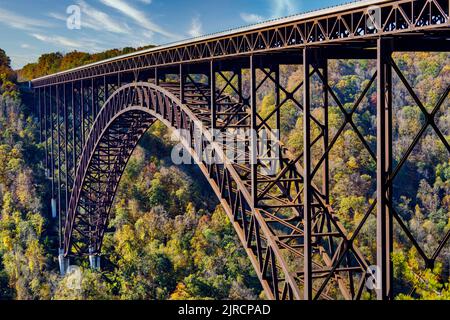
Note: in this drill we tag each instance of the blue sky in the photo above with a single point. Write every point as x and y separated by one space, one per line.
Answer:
29 28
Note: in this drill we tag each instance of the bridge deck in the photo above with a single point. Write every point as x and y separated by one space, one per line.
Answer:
356 24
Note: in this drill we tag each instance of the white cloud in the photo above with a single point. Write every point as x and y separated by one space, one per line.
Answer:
58 40
282 8
25 46
92 18
69 44
251 18
84 22
146 1
16 21
100 20
110 33
139 17
278 9
196 29
57 16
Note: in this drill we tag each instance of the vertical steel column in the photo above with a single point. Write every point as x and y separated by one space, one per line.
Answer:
36 105
58 102
46 133
74 132
66 159
52 148
278 113
39 105
105 90
241 98
326 162
384 168
253 133
182 83
93 101
307 211
82 97
212 81
156 77
323 64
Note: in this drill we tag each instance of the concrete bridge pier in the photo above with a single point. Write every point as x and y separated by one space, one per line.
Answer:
54 213
63 262
94 260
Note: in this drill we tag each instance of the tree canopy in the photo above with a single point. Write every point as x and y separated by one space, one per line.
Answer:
169 238
50 63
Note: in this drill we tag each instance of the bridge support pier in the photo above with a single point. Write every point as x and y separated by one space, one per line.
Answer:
94 260
54 211
63 262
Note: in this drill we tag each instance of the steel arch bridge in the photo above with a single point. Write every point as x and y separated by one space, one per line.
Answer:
92 118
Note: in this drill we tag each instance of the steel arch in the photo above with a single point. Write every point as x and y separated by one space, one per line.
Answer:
158 103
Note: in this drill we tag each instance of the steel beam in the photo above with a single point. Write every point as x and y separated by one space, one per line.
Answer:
58 187
384 168
93 100
326 163
212 82
307 201
47 168
52 143
40 112
182 76
66 153
74 129
82 110
254 132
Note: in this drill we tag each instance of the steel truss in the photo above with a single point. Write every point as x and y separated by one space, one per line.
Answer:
331 27
91 120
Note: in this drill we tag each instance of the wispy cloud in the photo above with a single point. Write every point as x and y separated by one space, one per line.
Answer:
111 30
17 21
95 19
146 1
84 22
101 20
281 8
278 8
251 18
138 17
66 43
196 29
58 40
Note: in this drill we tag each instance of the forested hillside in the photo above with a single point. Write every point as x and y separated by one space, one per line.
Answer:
169 239
56 62
24 242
